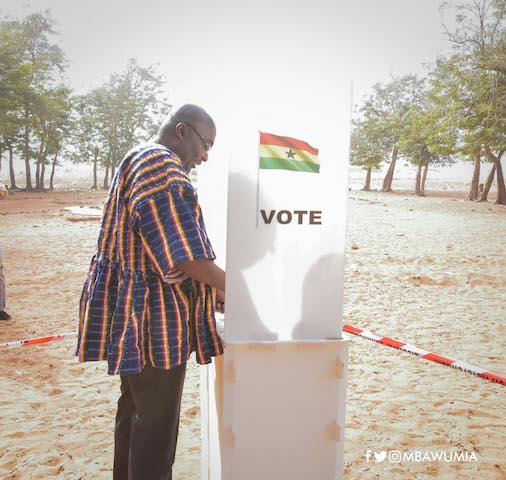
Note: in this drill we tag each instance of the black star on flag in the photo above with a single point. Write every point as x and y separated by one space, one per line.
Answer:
287 153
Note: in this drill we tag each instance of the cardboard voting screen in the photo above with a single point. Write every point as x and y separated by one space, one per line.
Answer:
285 246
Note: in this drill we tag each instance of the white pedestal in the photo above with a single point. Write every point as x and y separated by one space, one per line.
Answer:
275 411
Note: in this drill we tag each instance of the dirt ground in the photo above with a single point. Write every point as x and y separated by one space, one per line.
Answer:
426 271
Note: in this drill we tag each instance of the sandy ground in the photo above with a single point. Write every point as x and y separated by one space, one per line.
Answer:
428 271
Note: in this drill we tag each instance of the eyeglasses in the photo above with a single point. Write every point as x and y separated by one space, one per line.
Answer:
207 146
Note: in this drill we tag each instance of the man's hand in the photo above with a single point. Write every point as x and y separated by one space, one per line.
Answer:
220 301
205 271
208 272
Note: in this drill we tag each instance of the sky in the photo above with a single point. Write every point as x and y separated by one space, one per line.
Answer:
277 66
246 59
205 47
272 65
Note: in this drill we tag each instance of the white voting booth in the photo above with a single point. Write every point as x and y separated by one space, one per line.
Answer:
273 406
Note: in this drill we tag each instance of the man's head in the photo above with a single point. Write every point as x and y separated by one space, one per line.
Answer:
190 133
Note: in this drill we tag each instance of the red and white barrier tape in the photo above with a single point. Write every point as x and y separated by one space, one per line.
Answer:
37 341
434 357
390 342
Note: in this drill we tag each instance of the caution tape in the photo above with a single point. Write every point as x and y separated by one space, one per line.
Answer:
433 357
37 341
390 342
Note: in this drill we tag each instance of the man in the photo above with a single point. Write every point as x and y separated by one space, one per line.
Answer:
150 296
4 193
3 295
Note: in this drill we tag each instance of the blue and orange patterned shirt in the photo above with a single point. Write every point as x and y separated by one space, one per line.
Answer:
136 306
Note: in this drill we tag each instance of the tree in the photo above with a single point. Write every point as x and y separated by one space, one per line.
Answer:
10 99
53 129
38 64
493 60
425 140
472 83
367 149
87 137
456 92
488 184
119 114
386 109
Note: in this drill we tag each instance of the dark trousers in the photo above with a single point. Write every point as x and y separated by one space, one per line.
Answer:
147 423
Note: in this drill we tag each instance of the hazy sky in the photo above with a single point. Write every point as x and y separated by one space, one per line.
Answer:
278 66
205 45
271 65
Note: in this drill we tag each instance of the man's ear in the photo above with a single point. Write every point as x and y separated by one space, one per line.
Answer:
180 130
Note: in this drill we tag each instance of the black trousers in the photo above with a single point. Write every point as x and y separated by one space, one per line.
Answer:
147 424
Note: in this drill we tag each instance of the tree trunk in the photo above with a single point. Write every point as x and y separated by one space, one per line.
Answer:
11 168
53 168
424 178
41 167
418 179
473 192
387 181
367 186
37 174
42 173
488 184
106 177
501 188
95 177
28 172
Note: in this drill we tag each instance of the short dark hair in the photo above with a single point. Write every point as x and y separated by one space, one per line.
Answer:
189 113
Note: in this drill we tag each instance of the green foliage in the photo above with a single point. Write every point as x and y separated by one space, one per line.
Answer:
389 122
386 109
367 147
116 116
469 87
426 137
87 136
53 119
11 74
459 108
40 117
29 67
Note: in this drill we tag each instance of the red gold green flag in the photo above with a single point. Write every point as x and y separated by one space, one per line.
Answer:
286 153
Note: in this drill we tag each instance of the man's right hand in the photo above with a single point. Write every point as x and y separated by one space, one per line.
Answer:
204 270
220 301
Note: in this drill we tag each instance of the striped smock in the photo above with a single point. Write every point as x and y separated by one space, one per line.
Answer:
136 306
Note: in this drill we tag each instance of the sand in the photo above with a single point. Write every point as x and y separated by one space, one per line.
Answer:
428 271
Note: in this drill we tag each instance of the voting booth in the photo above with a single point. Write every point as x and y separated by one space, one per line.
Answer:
273 406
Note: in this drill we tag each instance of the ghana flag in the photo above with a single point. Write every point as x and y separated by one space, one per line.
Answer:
286 153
